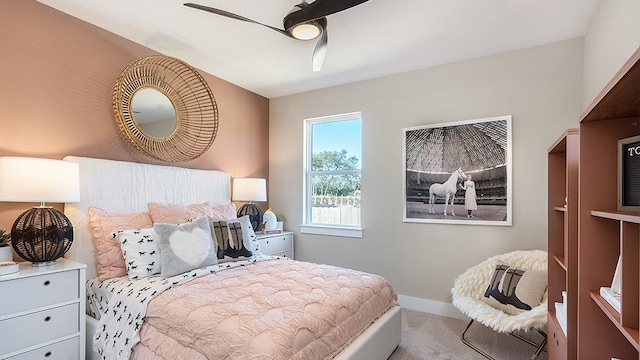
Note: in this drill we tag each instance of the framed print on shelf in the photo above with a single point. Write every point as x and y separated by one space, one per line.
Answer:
629 174
458 172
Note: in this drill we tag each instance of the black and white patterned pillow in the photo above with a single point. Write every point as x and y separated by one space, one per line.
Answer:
515 290
235 239
140 250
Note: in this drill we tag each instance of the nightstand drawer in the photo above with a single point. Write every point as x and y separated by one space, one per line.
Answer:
287 254
276 244
63 350
37 291
38 327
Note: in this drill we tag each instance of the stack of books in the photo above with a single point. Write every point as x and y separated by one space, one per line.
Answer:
8 267
561 313
611 297
274 231
561 316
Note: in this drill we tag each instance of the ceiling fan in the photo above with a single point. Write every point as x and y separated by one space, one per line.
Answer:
306 21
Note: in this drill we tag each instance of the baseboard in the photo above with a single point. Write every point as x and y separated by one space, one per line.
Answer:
430 306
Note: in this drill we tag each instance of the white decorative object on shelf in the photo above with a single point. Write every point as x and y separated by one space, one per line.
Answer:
561 315
616 283
612 298
269 220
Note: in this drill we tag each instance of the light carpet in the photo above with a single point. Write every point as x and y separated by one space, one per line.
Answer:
428 336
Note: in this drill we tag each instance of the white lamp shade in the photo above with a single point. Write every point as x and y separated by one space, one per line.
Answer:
24 179
249 189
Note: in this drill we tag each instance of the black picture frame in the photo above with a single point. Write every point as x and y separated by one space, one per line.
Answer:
629 174
477 150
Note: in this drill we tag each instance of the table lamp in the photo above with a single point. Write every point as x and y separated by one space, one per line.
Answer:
41 234
250 190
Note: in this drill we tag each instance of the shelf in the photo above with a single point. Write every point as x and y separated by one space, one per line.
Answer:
560 145
632 335
560 260
562 196
618 215
619 97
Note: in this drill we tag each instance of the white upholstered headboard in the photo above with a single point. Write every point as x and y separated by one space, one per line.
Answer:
119 186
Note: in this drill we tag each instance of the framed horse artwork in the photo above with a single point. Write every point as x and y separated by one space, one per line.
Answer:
458 172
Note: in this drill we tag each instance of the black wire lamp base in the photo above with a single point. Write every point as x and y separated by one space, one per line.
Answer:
41 235
254 212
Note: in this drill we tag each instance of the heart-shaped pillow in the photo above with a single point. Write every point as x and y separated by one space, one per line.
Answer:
185 247
191 247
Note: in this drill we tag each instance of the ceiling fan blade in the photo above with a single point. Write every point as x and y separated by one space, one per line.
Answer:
316 10
234 16
321 47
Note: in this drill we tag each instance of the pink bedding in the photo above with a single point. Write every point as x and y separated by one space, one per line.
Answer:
276 309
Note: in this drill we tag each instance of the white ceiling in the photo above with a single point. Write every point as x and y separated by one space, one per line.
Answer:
374 39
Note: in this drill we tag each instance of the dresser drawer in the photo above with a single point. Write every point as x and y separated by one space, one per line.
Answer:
38 327
37 291
63 350
276 244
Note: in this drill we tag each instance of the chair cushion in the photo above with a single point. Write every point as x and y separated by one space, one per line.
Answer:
514 290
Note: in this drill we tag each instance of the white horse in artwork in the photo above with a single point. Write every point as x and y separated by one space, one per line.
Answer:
447 190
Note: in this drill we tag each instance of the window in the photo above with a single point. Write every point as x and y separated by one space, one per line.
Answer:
333 159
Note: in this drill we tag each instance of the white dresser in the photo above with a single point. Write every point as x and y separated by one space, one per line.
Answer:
276 244
42 312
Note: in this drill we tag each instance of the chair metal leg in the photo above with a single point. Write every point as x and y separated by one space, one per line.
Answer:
475 348
539 347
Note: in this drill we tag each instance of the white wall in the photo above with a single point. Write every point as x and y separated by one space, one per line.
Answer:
540 87
613 36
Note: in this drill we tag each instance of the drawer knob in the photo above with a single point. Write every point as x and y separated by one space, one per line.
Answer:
46 283
47 319
47 354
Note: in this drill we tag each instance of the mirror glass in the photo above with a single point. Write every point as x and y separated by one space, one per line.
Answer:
154 113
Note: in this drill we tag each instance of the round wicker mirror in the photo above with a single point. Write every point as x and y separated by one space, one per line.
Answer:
196 112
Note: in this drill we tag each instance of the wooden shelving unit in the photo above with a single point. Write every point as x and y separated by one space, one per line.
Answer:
563 162
603 234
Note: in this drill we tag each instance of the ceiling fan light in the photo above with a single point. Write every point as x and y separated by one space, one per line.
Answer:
306 31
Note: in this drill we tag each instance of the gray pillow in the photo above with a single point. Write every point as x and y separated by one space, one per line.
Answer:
185 247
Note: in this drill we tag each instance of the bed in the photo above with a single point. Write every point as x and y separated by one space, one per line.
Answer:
234 289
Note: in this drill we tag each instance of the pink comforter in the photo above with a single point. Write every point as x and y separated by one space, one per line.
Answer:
277 309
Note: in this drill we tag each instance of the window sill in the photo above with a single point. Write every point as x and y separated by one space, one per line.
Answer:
331 230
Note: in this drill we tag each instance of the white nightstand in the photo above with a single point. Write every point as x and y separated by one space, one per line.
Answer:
276 244
42 312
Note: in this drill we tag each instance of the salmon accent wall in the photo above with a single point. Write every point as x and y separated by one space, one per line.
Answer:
57 75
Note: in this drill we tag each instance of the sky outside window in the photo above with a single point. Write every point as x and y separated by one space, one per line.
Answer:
338 136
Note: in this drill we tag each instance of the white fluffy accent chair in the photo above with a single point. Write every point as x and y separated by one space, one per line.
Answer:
470 286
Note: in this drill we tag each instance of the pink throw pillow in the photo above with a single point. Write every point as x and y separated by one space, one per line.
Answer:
109 258
178 214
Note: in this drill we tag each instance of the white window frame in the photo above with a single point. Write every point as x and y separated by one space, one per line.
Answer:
325 229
